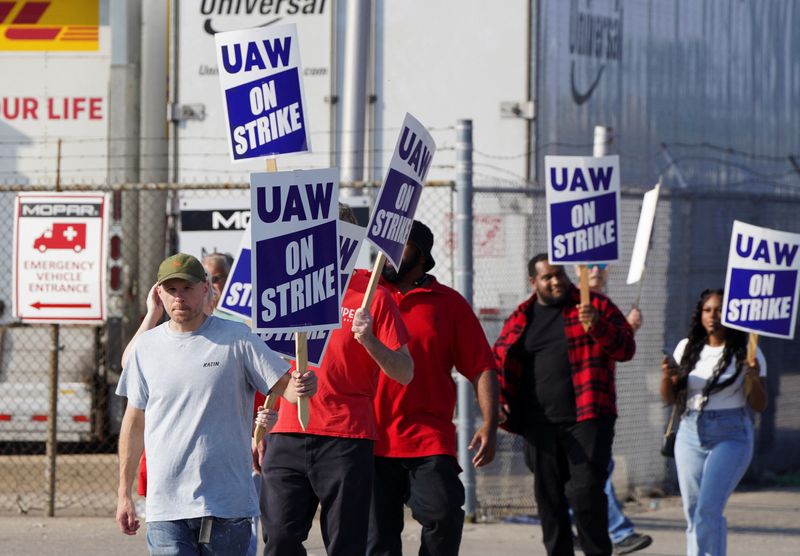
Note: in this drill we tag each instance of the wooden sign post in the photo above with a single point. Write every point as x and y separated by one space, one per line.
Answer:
377 269
585 297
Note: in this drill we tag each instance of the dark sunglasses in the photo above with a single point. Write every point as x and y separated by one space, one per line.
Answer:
601 266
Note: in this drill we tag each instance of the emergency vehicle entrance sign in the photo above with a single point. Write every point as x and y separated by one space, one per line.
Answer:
60 258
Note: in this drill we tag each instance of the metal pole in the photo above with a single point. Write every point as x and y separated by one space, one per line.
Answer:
154 157
464 279
51 445
174 84
354 89
52 422
123 166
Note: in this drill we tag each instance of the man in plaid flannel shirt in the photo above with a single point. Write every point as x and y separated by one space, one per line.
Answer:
557 388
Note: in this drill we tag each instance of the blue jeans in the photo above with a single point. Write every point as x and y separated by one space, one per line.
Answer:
619 526
229 537
712 452
252 547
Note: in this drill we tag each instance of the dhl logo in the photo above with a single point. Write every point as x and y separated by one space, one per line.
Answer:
54 25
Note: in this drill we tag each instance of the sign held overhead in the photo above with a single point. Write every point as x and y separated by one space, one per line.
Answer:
582 209
262 89
237 295
390 223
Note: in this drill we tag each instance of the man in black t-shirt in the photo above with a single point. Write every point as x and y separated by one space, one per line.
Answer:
557 359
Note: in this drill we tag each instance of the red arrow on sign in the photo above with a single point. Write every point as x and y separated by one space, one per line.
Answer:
40 305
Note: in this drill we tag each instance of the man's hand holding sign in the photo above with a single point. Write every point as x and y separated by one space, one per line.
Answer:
238 293
582 216
390 223
761 292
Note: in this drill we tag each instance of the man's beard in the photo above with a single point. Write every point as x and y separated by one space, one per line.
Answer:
553 300
392 275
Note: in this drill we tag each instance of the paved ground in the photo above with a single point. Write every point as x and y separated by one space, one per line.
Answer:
763 522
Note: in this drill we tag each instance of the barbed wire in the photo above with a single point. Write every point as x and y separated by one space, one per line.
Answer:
741 167
533 151
552 144
730 150
205 138
485 169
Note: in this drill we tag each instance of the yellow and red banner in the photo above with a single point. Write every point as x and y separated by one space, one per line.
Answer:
36 25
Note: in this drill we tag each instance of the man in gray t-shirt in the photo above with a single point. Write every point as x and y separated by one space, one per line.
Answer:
190 384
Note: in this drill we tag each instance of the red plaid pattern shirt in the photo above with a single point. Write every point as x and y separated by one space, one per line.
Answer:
592 356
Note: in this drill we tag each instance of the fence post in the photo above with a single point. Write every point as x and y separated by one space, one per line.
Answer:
603 139
354 91
52 422
464 277
51 444
124 100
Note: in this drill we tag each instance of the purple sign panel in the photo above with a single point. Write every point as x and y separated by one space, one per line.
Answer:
237 295
595 238
398 198
238 292
351 237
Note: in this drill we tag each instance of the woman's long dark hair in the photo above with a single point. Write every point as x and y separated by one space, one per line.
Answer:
735 346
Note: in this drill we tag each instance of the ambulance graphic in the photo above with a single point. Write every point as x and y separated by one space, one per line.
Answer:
62 236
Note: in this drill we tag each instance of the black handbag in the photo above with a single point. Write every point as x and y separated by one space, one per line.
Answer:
668 440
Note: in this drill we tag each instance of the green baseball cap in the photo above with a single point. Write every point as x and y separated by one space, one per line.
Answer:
183 266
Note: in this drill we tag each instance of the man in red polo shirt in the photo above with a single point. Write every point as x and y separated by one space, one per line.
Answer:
330 464
415 453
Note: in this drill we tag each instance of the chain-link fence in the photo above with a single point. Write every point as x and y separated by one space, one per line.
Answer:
145 224
688 253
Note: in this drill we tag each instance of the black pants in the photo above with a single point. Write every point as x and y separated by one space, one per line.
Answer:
570 465
431 488
303 471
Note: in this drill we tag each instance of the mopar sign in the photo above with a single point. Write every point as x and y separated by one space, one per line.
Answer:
197 220
50 209
212 221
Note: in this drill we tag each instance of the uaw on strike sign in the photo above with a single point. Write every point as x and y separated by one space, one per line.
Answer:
60 257
761 287
295 250
262 88
237 294
397 201
582 209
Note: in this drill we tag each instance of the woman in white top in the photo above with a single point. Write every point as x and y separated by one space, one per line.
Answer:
714 443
